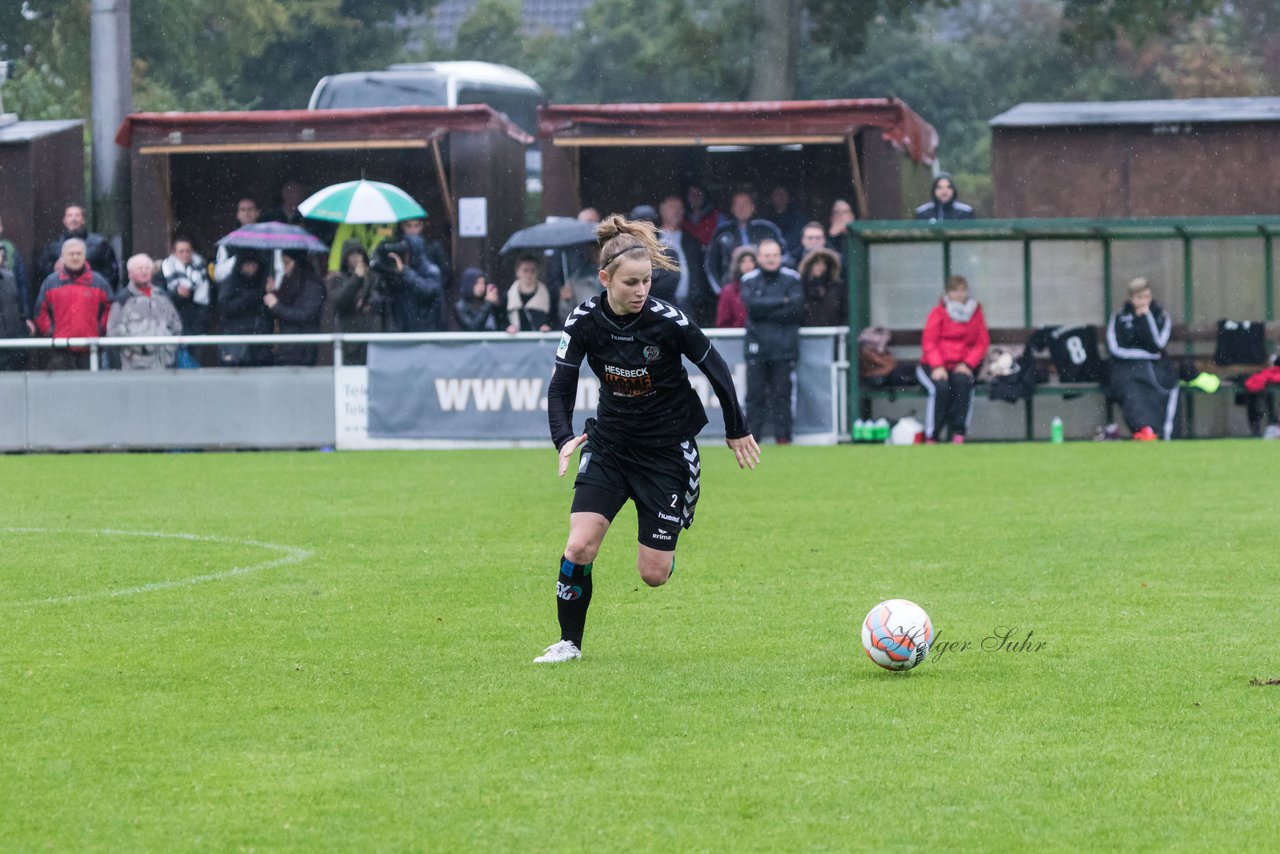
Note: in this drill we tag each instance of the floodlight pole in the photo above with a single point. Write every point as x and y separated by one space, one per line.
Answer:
111 86
6 69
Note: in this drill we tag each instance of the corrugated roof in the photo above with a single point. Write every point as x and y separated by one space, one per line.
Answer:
1075 114
26 131
559 16
305 125
898 123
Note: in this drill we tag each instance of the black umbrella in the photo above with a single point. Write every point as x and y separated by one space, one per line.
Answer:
553 234
271 236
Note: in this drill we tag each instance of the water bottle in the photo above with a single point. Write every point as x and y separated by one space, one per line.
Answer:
859 430
881 432
1055 431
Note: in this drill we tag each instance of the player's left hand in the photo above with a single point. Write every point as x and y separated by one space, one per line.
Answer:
745 450
567 451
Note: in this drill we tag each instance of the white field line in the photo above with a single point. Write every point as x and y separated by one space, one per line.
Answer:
288 555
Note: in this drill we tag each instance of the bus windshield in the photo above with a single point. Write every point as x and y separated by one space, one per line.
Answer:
380 89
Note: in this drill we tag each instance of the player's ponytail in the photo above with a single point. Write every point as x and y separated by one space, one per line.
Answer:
619 236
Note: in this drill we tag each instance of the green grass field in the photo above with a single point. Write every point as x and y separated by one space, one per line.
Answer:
335 655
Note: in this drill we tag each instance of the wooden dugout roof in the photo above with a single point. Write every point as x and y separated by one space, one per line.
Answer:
739 123
307 130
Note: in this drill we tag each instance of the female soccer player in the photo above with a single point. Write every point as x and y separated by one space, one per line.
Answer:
641 444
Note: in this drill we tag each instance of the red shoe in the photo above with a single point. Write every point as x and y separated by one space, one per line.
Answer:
957 439
1146 434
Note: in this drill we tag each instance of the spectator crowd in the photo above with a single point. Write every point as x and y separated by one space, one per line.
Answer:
767 270
390 279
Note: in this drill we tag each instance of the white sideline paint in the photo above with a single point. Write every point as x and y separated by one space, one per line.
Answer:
291 555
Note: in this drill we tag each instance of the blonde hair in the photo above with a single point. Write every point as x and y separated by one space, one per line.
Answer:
1138 285
618 236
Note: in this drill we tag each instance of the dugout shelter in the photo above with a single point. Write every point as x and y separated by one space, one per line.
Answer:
465 165
1031 273
874 152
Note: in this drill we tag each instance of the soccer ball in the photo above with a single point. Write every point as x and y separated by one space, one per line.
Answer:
896 634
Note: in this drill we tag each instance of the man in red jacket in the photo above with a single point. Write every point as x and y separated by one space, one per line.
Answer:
73 303
953 346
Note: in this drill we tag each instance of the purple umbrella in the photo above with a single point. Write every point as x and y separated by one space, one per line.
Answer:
273 235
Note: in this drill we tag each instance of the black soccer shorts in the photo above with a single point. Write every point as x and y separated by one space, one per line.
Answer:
663 483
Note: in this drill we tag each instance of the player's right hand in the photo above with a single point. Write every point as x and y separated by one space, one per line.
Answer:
745 450
567 451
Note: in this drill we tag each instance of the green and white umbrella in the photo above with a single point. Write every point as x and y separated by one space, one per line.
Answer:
361 202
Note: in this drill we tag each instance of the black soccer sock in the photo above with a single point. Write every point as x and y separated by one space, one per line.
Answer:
573 595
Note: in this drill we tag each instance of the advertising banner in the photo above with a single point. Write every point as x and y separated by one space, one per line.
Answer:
494 393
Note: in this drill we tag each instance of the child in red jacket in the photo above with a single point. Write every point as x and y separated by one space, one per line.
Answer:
953 345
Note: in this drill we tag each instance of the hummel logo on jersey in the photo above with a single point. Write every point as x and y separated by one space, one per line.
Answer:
617 337
670 311
578 312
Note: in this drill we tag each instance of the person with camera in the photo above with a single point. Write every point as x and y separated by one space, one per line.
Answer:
356 294
414 284
297 305
432 250
479 309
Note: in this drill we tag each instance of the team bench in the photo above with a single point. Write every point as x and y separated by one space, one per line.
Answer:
1187 341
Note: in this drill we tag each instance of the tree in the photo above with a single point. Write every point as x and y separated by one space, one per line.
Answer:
192 54
960 68
1096 23
647 50
1205 63
775 57
322 37
493 32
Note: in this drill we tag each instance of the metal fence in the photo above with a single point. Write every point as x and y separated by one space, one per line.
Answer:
104 409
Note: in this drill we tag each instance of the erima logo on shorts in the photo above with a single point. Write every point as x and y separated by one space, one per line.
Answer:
567 592
662 535
564 345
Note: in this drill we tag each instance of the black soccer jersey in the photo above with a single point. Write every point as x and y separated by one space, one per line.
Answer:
1242 342
1074 350
645 395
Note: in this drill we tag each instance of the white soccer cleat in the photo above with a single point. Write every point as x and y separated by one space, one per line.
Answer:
561 651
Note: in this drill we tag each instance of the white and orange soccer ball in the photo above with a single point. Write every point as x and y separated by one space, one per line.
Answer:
896 634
